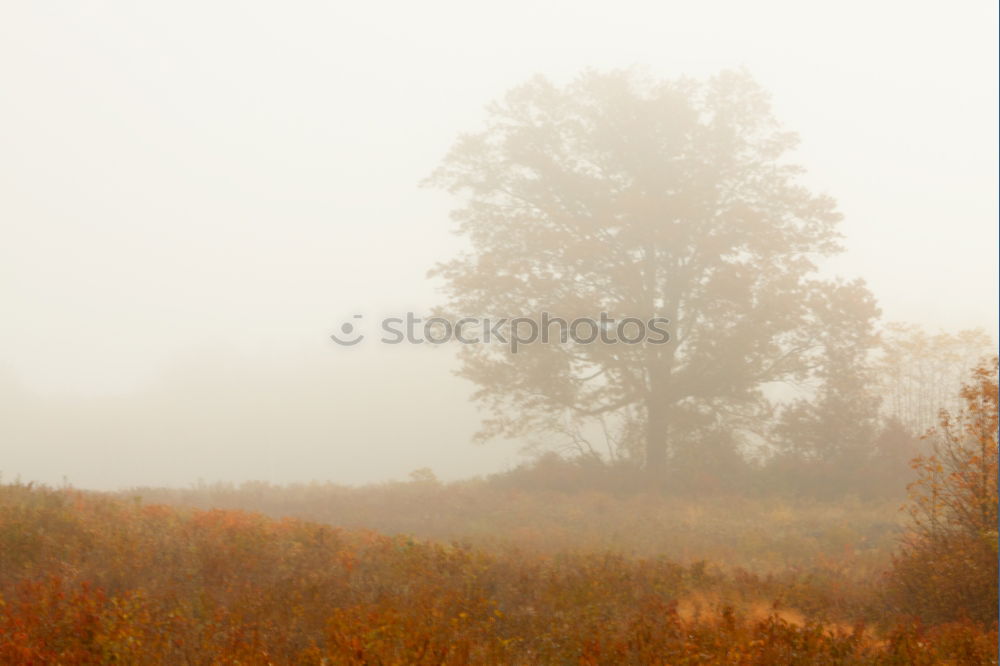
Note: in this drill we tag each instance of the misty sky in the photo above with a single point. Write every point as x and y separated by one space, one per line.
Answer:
193 195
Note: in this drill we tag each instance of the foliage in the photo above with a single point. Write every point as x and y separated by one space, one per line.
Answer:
86 579
839 422
874 467
641 198
948 566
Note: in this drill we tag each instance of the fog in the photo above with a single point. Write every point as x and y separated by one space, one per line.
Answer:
194 196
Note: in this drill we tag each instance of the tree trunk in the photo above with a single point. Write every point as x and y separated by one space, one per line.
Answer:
656 440
659 366
657 420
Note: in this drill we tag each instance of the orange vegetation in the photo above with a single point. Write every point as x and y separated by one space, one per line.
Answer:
89 579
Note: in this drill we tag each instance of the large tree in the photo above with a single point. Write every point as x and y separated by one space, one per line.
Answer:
637 197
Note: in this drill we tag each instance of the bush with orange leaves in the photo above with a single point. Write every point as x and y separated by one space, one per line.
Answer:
947 569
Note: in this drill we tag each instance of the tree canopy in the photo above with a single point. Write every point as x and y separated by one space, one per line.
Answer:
624 194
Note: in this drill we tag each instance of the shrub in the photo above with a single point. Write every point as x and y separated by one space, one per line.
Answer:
948 565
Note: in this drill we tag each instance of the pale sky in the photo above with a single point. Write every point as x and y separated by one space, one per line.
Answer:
230 180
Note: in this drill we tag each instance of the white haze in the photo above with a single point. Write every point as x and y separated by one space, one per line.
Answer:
193 195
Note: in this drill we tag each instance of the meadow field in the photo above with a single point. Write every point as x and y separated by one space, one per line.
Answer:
766 534
455 574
